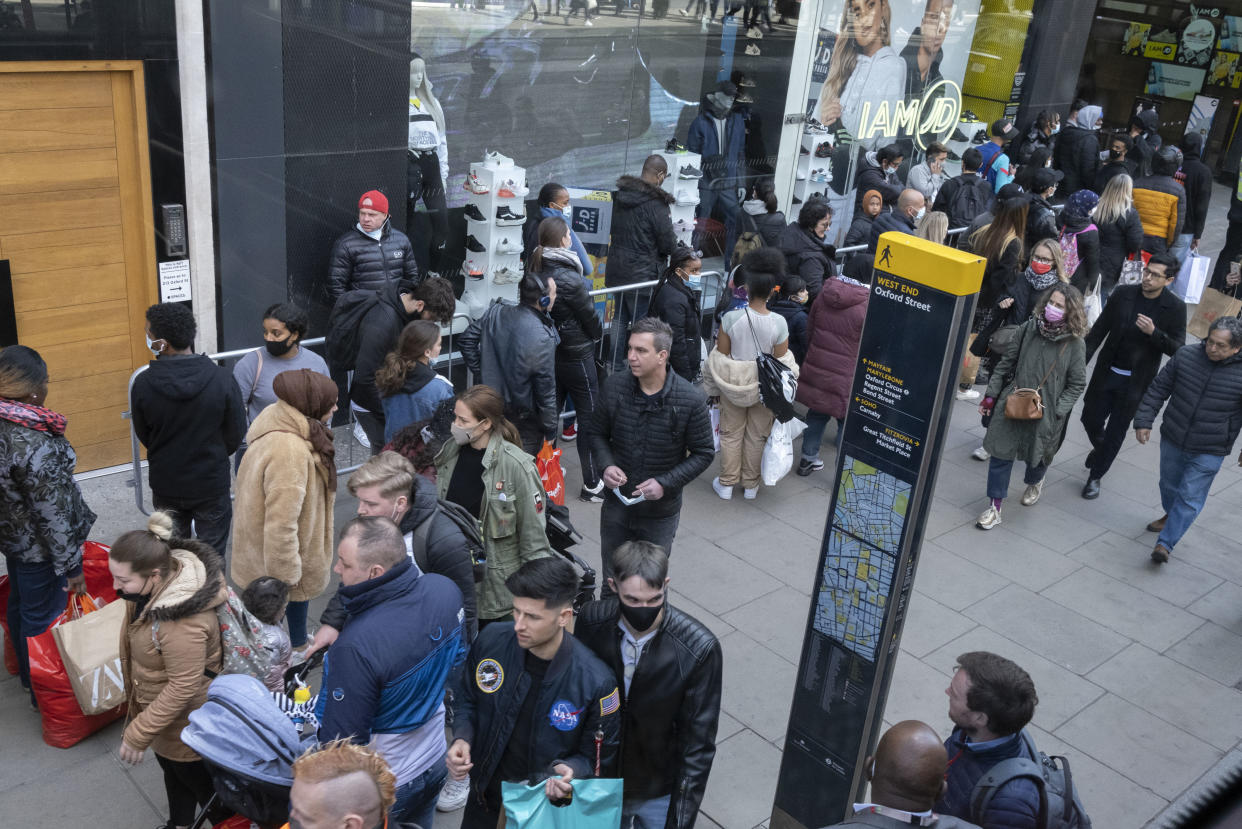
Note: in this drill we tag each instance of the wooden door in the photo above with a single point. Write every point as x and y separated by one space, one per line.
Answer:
76 226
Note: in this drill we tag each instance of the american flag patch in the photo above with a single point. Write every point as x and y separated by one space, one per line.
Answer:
611 703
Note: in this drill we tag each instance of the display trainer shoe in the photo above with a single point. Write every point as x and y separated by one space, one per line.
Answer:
815 127
805 151
981 137
471 270
689 171
807 466
989 518
474 245
497 160
506 276
507 248
687 197
746 83
505 193
753 50
505 216
1031 496
823 149
473 185
743 98
512 190
958 135
673 145
474 214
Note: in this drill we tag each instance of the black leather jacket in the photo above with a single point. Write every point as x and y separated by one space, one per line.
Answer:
573 313
512 348
669 716
576 692
358 262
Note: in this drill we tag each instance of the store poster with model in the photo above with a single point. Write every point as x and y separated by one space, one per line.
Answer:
887 72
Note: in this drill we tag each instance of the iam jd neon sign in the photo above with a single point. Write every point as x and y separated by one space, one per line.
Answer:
930 118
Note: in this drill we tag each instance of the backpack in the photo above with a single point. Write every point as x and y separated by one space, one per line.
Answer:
989 161
464 521
968 203
345 327
240 639
1059 806
777 384
747 241
1069 249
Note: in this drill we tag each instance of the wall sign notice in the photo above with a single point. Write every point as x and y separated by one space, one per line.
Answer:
918 318
175 281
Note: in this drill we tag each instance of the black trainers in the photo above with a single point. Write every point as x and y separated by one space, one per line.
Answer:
592 495
806 467
474 214
797 200
805 151
968 115
953 156
958 135
674 146
823 150
473 244
689 171
505 216
981 137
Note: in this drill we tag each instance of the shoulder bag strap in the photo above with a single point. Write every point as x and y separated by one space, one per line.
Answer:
1048 373
753 336
255 385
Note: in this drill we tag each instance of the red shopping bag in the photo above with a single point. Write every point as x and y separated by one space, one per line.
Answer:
10 655
63 721
548 462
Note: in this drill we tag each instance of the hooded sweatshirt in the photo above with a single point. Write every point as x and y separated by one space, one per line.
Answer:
1196 177
188 412
1077 152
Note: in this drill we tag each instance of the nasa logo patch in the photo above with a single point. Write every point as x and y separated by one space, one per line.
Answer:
489 676
563 716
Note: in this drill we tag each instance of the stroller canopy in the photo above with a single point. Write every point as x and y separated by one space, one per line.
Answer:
241 728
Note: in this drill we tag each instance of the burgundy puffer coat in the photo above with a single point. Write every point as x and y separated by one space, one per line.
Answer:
835 326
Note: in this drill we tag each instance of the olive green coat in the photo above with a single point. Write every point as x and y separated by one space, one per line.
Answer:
1036 441
513 519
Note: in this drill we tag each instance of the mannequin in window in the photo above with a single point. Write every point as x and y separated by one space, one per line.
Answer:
427 161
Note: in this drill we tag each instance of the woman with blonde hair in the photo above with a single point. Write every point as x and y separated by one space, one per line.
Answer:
1120 229
484 469
409 387
933 227
864 67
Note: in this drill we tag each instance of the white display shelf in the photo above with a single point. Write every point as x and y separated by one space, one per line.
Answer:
480 292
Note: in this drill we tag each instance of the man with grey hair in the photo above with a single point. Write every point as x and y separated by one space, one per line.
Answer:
652 436
383 679
671 707
1203 387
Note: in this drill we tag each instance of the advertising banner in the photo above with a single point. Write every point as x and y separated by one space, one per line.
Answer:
1172 81
1224 71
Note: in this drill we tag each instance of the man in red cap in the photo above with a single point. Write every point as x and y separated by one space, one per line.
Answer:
373 253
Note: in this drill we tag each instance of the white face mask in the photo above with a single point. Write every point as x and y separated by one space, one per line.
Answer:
151 346
918 217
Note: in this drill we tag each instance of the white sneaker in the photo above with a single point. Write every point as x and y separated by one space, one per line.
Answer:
1031 496
725 492
506 276
753 50
967 395
495 159
453 795
750 494
360 435
989 518
980 454
473 185
505 247
687 197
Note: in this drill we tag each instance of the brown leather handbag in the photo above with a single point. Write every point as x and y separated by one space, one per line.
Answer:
1026 404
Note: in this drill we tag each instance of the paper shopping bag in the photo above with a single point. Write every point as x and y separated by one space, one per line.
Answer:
596 805
1192 278
90 647
1212 305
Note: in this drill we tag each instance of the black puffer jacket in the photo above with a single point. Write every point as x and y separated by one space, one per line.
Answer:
1077 155
871 177
667 436
380 329
573 313
512 348
188 412
669 716
358 262
1118 240
447 554
770 227
674 303
1041 222
642 232
1205 402
1088 249
806 256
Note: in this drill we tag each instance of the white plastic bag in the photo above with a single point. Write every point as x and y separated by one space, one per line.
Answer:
714 411
778 454
1091 303
1192 278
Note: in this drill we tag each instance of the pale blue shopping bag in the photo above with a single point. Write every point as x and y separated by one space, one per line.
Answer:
596 805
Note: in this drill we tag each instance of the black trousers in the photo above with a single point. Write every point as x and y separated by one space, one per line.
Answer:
425 184
580 379
1106 416
209 517
188 786
478 816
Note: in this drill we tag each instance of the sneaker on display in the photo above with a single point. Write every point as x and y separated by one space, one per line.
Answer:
823 149
746 83
969 116
506 247
474 214
505 193
673 145
804 151
495 159
474 245
952 155
506 276
473 184
743 98
958 135
514 190
687 197
471 270
453 795
688 171
506 217
815 127
801 176
753 50
981 137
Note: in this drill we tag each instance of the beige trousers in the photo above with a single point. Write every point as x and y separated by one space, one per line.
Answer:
743 432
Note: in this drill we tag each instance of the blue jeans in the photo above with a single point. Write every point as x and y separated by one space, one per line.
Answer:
816 423
1182 247
645 814
999 471
1185 479
295 615
416 800
36 598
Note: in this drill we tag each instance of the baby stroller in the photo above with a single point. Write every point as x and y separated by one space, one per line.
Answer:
562 535
248 745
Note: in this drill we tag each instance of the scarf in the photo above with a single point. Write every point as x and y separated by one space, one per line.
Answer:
1050 331
314 395
1041 282
33 417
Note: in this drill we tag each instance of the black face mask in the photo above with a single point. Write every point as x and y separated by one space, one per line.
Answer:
640 618
138 598
279 348
1114 155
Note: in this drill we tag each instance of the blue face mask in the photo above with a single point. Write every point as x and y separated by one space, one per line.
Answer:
694 280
